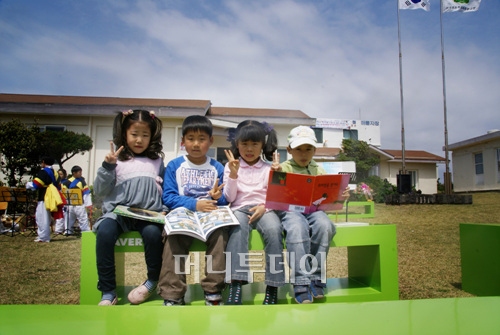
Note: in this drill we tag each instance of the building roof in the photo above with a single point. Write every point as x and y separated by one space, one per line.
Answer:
410 155
56 104
490 136
272 116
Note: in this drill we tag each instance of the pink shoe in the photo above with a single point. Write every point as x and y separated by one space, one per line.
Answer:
138 295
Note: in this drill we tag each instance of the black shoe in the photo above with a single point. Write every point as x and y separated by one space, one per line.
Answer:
172 302
234 297
271 297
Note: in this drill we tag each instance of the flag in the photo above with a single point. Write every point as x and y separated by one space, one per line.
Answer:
415 4
460 5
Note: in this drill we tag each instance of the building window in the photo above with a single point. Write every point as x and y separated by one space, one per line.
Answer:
479 168
283 155
350 134
498 165
221 155
319 134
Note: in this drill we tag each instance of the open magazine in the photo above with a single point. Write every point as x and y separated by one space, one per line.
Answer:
198 224
139 213
305 193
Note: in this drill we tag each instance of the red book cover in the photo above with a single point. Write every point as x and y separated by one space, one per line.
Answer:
304 193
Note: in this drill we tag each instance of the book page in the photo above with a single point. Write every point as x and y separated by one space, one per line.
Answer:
182 221
209 221
140 214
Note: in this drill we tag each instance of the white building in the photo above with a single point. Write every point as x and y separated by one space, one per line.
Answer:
476 163
94 116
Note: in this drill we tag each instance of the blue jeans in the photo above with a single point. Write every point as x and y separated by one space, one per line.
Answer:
308 238
270 228
107 234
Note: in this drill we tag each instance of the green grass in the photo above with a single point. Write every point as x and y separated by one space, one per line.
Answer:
428 252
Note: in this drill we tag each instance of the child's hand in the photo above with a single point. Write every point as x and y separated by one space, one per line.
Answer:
258 212
275 166
216 191
204 205
233 164
112 156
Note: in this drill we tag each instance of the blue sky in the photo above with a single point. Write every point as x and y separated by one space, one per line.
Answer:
333 59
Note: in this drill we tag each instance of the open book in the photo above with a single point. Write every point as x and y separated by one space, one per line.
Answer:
139 213
305 193
198 224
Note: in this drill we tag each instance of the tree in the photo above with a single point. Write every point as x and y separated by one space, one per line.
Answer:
19 150
359 152
63 145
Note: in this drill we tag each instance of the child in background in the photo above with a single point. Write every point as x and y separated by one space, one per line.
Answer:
77 212
44 178
306 234
59 223
130 176
246 177
193 181
366 190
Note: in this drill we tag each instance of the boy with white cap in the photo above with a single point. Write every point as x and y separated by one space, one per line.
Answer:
308 236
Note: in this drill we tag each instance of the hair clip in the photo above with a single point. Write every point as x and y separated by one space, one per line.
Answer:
152 114
127 112
267 127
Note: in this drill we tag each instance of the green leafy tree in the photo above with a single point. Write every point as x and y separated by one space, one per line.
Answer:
358 152
63 145
19 150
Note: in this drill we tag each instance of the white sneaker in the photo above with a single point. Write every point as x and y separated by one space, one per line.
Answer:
40 240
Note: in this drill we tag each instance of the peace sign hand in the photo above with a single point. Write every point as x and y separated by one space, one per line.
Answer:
233 164
216 191
112 156
275 166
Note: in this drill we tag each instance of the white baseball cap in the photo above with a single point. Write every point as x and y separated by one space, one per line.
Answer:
302 135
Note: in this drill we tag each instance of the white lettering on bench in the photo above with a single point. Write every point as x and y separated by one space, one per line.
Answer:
129 242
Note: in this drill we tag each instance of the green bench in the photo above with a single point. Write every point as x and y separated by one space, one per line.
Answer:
371 261
368 211
480 258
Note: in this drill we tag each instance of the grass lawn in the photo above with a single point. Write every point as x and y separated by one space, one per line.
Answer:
428 252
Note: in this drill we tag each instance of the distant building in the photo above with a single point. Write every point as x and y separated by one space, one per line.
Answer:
94 116
476 163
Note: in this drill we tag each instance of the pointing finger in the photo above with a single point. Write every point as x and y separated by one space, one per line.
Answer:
215 185
117 152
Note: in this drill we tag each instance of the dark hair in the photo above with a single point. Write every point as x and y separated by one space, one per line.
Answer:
47 160
250 130
64 172
75 168
197 123
122 123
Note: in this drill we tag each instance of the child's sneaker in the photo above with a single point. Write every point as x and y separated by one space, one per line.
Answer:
302 294
174 302
234 297
139 294
108 299
271 297
213 299
318 289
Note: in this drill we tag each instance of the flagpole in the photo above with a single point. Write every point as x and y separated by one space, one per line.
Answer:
447 176
403 166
